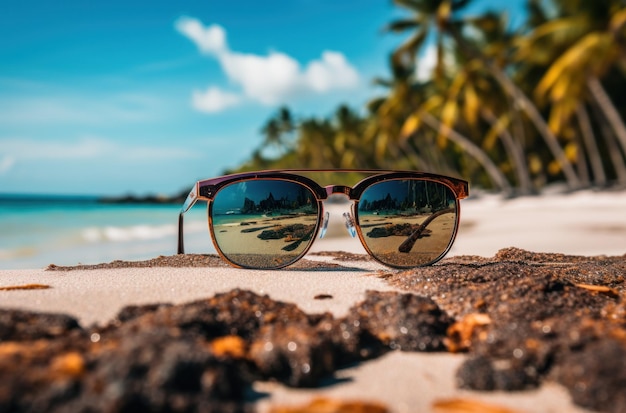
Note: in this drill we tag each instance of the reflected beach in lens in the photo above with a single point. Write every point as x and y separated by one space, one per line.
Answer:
264 223
407 223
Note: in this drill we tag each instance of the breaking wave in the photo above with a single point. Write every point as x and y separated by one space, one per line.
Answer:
135 233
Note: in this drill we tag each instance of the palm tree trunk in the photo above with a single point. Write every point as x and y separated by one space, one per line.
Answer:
616 157
472 149
528 107
515 152
589 140
608 109
583 169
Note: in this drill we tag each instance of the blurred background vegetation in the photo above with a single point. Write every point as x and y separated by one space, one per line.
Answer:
509 110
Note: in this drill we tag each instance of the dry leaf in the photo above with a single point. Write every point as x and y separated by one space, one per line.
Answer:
602 289
231 346
468 406
459 334
25 287
324 405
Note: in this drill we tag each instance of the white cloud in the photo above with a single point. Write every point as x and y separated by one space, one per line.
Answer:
211 39
213 100
426 63
269 79
333 71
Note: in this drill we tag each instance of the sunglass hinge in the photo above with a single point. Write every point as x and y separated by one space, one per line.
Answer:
207 191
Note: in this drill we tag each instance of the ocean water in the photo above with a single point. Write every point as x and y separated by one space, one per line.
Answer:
38 231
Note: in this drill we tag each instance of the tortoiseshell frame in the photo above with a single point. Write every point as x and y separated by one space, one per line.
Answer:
206 189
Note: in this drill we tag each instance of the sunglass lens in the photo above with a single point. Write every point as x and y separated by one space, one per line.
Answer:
264 224
407 222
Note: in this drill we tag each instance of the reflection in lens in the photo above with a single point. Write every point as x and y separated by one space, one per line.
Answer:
264 223
407 222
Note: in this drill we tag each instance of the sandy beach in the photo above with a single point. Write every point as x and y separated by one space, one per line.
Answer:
585 223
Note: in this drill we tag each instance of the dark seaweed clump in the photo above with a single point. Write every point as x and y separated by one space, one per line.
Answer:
201 356
525 317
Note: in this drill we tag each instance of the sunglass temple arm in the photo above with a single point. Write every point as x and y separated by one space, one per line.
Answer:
189 202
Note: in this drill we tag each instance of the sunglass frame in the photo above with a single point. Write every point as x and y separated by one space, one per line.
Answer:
205 190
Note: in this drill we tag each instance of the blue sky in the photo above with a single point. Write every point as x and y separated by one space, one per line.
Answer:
145 97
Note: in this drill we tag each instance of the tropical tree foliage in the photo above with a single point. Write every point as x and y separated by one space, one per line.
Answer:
508 109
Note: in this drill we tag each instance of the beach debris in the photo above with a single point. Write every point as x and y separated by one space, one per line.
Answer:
133 311
457 405
70 365
323 297
255 229
405 322
290 232
201 355
459 335
25 287
295 354
543 324
404 230
229 346
294 234
602 289
327 405
580 369
18 325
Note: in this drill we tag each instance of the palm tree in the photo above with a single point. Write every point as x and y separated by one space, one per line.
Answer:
586 41
398 118
445 124
467 97
315 144
473 95
279 131
387 130
442 15
470 148
348 129
497 109
428 16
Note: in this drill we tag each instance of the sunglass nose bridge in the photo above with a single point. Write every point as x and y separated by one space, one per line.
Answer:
337 189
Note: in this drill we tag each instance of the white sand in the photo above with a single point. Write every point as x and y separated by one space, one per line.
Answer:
580 223
96 296
586 223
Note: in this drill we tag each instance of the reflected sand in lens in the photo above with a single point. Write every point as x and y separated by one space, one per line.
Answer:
385 235
270 242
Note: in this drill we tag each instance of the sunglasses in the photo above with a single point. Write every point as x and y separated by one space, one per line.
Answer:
269 219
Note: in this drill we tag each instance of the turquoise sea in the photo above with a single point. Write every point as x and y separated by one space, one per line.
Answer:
36 231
